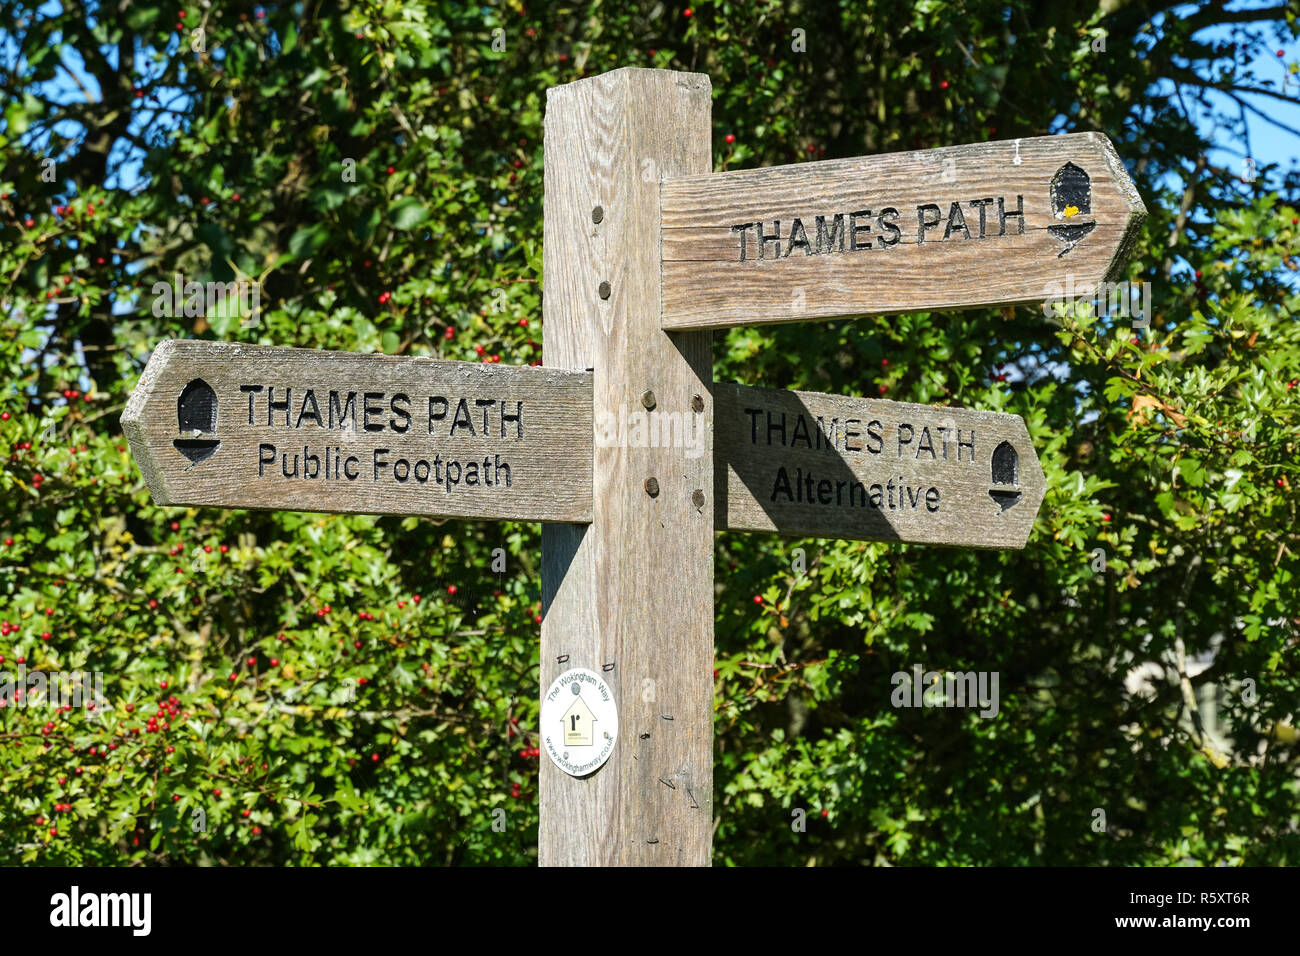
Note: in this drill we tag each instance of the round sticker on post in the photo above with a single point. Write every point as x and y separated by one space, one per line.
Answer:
579 722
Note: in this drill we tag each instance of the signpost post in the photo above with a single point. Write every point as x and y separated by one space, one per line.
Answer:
623 445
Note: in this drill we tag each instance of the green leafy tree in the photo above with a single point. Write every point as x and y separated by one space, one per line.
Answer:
307 689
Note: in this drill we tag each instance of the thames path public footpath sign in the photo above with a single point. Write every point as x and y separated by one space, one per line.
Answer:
645 251
243 426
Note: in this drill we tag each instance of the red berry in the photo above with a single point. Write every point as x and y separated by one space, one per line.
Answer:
730 138
217 792
175 797
451 589
374 758
943 85
826 813
688 13
275 662
758 599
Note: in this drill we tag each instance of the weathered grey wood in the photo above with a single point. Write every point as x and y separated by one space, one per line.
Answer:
707 285
771 444
631 595
538 465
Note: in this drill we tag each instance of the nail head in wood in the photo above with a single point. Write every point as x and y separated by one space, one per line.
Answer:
697 404
648 399
597 214
652 487
697 498
604 290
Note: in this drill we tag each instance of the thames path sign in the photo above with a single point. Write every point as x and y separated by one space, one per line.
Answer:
625 447
243 426
960 226
826 466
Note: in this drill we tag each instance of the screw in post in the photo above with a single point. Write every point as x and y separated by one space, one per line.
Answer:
597 214
697 498
604 290
648 399
697 404
652 487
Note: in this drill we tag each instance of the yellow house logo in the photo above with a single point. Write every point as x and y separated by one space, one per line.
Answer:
579 724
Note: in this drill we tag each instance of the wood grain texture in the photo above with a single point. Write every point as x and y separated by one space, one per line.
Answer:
363 415
830 466
707 285
631 595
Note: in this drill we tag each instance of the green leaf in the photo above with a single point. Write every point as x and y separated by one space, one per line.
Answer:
308 240
408 213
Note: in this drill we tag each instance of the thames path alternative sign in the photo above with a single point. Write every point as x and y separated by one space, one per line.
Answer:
806 464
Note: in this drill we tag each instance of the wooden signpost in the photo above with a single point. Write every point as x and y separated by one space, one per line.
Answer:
623 445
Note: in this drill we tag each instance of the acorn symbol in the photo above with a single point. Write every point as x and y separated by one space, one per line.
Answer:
1006 472
196 414
1071 194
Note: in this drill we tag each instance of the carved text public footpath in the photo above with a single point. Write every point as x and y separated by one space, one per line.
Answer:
352 413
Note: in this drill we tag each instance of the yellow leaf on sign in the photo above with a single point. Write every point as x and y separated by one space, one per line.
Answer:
1070 211
1143 402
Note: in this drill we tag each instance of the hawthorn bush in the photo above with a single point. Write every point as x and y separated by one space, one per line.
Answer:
288 688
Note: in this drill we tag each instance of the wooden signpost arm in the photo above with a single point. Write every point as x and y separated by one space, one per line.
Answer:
630 596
